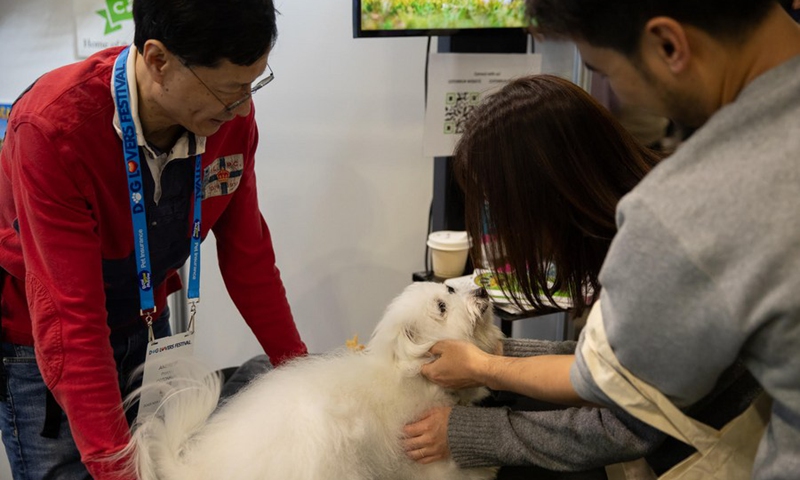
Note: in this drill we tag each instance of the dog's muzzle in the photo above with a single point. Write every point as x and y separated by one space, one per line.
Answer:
481 293
482 299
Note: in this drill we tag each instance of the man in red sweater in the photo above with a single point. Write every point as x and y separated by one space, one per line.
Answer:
73 281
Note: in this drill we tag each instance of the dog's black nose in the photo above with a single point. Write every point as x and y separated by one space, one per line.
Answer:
481 293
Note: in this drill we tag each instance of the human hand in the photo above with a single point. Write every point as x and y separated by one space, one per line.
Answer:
458 365
426 439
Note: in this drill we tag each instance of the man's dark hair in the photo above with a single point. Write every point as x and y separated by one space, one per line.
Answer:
204 32
618 24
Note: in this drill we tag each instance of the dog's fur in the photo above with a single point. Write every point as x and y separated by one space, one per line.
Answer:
334 416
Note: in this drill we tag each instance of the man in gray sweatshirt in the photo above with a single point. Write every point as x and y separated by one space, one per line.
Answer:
705 268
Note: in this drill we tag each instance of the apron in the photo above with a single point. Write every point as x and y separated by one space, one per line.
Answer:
726 454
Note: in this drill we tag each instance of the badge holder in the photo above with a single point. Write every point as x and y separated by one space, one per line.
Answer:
163 356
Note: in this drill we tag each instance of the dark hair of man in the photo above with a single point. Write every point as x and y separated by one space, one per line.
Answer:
618 24
544 165
204 32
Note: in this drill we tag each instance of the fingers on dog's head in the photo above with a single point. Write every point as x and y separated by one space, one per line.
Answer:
437 348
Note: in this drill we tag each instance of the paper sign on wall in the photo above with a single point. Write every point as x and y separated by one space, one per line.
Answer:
456 84
101 24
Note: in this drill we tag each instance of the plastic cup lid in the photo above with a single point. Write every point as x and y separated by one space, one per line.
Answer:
448 240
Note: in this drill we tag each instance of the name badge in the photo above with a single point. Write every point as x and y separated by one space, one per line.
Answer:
163 355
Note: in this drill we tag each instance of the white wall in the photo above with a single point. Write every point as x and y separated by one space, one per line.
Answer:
343 183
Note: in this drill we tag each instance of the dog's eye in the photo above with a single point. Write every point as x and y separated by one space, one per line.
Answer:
450 289
442 307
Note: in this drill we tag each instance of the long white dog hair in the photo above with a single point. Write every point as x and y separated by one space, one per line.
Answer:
334 416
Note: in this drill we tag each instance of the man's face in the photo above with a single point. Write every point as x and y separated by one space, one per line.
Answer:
198 97
645 84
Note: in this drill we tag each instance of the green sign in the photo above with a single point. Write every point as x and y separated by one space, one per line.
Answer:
116 12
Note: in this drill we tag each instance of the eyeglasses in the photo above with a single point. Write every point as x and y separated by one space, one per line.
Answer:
232 106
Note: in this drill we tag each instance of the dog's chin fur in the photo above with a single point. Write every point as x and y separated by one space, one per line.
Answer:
333 416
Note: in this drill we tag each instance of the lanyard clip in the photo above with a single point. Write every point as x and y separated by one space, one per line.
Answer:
192 312
148 320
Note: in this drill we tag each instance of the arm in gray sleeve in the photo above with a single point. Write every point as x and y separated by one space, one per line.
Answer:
572 439
661 311
577 439
525 347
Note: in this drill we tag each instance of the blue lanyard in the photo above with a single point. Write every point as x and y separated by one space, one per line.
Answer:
132 160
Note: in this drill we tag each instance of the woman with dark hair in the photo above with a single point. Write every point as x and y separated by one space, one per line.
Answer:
543 166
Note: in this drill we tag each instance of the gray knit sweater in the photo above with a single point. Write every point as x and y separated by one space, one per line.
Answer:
705 267
579 439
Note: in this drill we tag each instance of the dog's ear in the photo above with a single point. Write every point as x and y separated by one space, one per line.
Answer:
411 349
408 345
411 332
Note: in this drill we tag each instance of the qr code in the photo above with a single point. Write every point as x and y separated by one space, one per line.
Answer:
457 108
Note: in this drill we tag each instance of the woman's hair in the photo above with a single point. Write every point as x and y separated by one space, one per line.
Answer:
542 166
204 32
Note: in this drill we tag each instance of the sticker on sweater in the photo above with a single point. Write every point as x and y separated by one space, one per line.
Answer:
162 364
222 176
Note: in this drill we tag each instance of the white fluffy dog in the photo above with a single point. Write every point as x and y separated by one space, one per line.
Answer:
334 416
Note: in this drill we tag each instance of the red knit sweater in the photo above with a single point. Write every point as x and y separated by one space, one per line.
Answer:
64 210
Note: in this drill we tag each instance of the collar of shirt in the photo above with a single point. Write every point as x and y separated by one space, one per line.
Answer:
156 159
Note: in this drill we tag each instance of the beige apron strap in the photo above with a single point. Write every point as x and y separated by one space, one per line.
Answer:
727 454
638 398
734 456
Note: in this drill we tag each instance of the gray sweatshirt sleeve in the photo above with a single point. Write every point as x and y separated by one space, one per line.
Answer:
524 347
661 311
573 439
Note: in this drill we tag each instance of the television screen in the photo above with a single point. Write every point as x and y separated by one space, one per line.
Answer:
388 18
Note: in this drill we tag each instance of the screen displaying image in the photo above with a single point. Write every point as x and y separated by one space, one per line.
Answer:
428 15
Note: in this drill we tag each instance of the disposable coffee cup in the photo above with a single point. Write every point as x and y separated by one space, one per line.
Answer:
449 251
